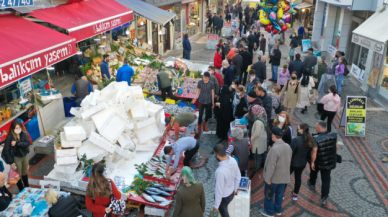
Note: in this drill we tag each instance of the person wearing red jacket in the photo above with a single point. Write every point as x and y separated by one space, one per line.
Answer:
218 59
99 191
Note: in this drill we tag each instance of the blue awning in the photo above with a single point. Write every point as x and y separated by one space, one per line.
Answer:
148 11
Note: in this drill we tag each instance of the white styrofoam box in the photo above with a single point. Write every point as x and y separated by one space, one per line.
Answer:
96 95
101 117
70 124
149 210
139 112
128 100
117 161
122 86
154 109
102 142
88 127
76 133
130 126
91 151
54 175
137 92
66 160
146 147
124 152
74 110
147 133
110 94
69 169
93 110
113 127
144 123
68 152
109 158
82 184
126 142
69 144
86 101
121 110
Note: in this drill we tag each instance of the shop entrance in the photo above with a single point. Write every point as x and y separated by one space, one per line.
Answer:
155 38
166 39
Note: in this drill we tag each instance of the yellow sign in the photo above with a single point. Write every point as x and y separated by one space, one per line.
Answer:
252 5
355 115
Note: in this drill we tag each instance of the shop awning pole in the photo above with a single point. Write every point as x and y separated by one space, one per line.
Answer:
37 106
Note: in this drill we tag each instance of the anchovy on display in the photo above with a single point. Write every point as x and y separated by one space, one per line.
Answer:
148 197
158 198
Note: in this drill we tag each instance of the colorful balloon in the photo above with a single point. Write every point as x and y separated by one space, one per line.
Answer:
264 18
288 25
268 28
282 22
283 28
281 4
273 15
275 31
280 13
286 17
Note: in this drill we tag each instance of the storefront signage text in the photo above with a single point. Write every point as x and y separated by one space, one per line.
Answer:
355 115
104 26
368 43
17 70
15 3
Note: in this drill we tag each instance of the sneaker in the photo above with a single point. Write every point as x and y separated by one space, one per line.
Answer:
312 187
294 196
262 211
278 213
385 159
385 153
324 200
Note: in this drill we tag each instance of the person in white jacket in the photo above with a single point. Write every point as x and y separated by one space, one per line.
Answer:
227 179
307 84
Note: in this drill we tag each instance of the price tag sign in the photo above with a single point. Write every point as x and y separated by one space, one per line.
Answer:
15 3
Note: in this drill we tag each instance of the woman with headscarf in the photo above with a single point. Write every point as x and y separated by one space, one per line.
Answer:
326 81
239 149
307 82
318 71
224 109
190 198
257 121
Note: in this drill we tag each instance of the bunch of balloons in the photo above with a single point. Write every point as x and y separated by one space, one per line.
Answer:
275 15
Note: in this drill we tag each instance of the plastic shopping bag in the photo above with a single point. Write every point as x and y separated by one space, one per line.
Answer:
13 177
243 121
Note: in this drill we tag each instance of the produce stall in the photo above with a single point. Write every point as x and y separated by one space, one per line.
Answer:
117 126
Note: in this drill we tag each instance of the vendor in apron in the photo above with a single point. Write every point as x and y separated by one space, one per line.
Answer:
185 119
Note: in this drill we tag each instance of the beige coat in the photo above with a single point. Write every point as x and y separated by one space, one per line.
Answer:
305 93
291 97
258 138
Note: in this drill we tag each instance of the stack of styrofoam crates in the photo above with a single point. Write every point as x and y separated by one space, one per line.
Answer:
240 205
71 138
152 211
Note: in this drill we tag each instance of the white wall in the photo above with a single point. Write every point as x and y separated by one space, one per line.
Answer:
344 26
318 18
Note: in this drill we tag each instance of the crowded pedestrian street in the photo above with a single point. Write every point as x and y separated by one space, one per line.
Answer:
196 108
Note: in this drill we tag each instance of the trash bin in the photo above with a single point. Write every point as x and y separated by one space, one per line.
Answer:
68 103
32 128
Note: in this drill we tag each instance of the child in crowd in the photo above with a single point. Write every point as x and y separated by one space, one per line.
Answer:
292 53
284 75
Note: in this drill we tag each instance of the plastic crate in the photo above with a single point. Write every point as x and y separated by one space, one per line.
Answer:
183 104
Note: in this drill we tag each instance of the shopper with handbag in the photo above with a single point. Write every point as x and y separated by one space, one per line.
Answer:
100 192
292 91
15 152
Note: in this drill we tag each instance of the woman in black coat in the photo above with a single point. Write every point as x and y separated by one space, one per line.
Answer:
224 110
62 206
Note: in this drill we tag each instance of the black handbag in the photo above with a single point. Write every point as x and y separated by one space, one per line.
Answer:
339 158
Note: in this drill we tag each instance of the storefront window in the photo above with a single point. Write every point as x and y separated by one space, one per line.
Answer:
363 58
142 29
194 18
336 36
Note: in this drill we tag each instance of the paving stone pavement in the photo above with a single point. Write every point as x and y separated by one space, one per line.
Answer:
358 186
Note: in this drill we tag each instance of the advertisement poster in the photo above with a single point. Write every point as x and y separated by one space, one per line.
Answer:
235 25
355 70
227 29
331 50
373 77
355 115
212 41
306 45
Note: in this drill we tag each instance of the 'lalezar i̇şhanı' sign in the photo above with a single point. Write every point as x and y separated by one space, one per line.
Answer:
354 115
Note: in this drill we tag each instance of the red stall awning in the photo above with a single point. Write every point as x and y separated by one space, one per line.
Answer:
86 19
27 47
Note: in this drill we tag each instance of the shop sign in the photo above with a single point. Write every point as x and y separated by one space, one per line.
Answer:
340 3
235 25
133 33
368 43
306 45
25 85
331 50
355 70
355 119
15 3
227 29
98 28
187 1
212 41
17 70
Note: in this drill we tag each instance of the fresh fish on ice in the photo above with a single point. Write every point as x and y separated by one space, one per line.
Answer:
167 189
148 198
158 198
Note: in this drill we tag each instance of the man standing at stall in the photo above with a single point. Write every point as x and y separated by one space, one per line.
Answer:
81 88
125 73
188 145
105 67
205 92
164 84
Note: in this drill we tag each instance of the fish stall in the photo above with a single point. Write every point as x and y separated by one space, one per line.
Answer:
120 128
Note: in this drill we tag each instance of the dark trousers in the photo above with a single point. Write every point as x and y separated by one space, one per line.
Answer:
263 51
167 90
298 177
291 58
243 78
320 107
208 113
184 53
242 173
325 178
189 154
330 116
250 49
223 208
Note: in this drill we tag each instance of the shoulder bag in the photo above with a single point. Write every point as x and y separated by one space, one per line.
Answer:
118 206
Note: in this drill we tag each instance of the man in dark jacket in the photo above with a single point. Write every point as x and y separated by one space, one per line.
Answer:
275 58
263 43
229 73
247 61
323 158
266 99
184 52
215 19
257 35
227 46
220 24
251 42
238 63
310 60
105 67
297 65
5 195
81 88
261 69
164 84
210 20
